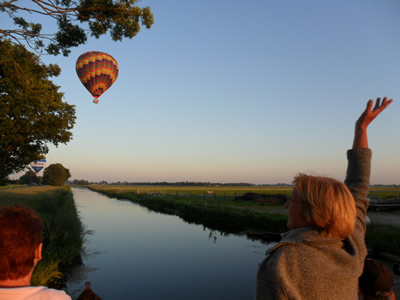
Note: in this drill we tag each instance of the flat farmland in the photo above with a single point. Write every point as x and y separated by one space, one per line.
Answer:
228 196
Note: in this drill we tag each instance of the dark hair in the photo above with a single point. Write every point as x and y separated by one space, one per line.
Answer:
20 235
376 280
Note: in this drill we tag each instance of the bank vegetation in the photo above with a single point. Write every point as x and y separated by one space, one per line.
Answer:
255 211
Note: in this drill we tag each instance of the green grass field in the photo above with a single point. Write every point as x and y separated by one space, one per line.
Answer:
229 191
222 195
193 194
382 192
198 189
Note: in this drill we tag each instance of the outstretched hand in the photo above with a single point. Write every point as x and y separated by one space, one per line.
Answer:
360 137
370 114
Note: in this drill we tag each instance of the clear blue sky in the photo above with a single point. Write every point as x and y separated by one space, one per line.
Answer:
239 91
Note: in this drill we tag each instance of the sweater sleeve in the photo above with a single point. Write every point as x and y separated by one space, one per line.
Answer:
357 180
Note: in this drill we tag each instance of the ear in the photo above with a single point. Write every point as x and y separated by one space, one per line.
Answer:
38 253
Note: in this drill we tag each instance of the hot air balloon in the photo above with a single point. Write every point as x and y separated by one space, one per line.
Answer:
38 165
97 72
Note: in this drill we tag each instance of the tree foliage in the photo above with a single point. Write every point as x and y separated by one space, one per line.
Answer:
32 112
80 182
29 178
56 175
122 18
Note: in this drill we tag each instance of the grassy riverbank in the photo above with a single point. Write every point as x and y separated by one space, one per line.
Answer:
63 231
216 208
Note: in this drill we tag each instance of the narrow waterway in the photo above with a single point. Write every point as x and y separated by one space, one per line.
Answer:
133 253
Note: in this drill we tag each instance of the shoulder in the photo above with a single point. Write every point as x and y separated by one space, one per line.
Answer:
34 293
54 294
42 292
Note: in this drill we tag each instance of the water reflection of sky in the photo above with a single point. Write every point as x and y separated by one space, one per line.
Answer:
134 253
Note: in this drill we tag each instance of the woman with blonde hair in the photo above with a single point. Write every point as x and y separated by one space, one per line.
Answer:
328 205
322 255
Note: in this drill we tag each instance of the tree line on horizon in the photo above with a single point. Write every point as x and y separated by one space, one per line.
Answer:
179 183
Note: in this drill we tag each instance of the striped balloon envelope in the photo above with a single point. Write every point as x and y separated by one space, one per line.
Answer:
97 72
38 165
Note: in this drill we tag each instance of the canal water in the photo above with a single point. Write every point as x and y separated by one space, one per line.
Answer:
134 253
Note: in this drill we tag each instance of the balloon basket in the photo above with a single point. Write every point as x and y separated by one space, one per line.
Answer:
95 101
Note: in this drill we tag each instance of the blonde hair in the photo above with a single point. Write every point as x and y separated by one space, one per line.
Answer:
328 204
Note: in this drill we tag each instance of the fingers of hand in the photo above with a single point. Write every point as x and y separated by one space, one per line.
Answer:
381 106
378 102
370 103
386 102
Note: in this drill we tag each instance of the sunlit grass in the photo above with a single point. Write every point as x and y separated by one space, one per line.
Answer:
230 190
25 193
7 187
193 194
382 192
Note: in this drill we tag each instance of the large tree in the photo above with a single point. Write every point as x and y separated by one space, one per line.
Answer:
122 18
56 174
32 113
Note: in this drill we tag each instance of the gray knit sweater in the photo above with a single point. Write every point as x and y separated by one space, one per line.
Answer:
306 265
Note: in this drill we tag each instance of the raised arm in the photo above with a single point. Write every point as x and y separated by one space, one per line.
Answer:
359 166
360 135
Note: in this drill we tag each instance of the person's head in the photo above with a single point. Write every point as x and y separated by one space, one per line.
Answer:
20 241
323 203
376 280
